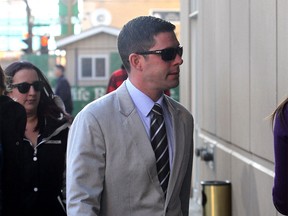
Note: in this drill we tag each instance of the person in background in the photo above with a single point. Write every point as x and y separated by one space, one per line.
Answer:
115 164
63 89
280 132
34 168
12 122
118 77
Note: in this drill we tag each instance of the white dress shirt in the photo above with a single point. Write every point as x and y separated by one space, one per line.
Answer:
144 104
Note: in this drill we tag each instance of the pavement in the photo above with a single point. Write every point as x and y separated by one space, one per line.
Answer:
195 208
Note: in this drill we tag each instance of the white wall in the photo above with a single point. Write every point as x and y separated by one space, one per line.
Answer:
240 77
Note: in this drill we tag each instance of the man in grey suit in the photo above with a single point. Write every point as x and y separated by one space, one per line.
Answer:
113 166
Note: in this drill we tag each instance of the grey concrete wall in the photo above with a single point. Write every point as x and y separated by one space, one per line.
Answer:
241 75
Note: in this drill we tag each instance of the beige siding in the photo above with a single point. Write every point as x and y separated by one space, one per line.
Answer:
240 77
240 74
263 74
99 44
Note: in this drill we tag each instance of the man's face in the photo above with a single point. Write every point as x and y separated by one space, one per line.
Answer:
159 74
57 72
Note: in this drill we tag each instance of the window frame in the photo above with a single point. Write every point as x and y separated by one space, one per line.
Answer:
93 66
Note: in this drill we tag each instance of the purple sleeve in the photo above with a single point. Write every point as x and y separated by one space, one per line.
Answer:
280 189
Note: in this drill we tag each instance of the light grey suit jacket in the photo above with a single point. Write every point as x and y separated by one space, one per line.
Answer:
111 167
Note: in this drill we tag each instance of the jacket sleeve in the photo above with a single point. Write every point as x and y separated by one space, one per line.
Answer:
85 166
186 187
280 189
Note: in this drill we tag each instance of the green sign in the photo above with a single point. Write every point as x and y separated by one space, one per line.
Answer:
175 93
82 95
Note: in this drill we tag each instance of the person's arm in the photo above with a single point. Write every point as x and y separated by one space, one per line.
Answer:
85 166
280 189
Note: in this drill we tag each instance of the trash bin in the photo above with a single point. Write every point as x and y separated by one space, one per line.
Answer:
216 198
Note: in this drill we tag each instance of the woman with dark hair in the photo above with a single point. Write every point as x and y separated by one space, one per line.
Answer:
34 163
280 132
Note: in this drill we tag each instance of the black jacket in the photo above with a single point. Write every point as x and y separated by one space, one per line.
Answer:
12 124
63 90
33 178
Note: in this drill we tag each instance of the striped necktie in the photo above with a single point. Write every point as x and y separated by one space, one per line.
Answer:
160 146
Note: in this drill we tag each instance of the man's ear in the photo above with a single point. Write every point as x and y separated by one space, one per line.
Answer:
136 61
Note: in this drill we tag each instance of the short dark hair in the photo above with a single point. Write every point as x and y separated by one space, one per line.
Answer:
138 35
60 67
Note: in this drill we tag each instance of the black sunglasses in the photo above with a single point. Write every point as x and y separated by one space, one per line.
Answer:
167 54
25 87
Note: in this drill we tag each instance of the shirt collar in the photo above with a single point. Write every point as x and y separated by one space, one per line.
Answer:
143 103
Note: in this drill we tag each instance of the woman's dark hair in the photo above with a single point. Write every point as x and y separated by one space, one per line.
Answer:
47 105
279 111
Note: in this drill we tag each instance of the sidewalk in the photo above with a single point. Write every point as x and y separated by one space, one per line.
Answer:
195 204
195 209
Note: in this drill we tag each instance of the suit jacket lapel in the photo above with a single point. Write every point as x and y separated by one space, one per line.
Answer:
179 148
134 123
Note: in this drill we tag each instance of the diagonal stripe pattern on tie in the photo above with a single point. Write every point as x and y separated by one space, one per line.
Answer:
160 146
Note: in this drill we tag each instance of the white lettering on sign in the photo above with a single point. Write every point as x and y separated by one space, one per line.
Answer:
87 94
80 94
99 92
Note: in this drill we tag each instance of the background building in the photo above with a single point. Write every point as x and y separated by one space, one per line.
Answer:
96 43
91 57
117 13
65 31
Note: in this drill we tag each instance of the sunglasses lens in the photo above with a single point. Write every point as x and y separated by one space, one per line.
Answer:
170 53
23 87
180 50
38 86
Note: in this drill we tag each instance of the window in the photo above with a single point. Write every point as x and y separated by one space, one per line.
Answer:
169 15
93 67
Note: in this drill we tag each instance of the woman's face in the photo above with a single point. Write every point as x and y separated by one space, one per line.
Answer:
31 98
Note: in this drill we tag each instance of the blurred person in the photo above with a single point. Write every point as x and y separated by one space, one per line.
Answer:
12 122
118 77
34 168
280 132
2 88
63 88
114 167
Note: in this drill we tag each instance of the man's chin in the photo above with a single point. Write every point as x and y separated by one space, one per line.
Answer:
174 84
